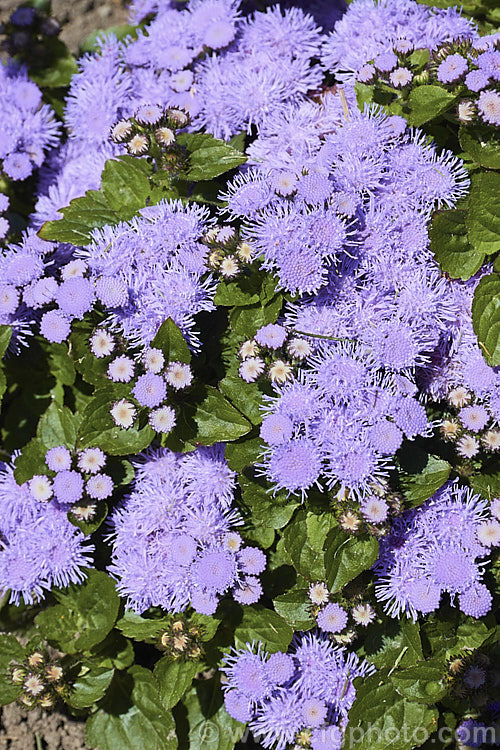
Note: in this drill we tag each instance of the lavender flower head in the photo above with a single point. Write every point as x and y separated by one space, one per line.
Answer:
173 539
307 688
370 28
436 548
29 127
157 260
40 548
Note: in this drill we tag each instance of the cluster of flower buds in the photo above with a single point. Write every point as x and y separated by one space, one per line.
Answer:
152 381
395 68
273 354
153 132
471 425
74 480
228 256
470 70
333 618
181 640
42 680
473 676
371 514
4 224
27 33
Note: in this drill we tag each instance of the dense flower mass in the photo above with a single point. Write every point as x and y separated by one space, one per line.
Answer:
249 286
41 549
150 269
174 542
29 127
370 30
307 690
437 548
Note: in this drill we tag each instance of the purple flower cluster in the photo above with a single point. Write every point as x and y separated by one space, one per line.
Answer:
255 65
152 268
29 127
24 284
325 197
4 224
73 480
272 354
40 548
173 539
340 420
371 29
140 273
150 377
436 548
458 373
306 691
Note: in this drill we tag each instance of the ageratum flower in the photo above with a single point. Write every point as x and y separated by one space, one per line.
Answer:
40 548
371 28
279 695
173 543
158 259
29 127
436 548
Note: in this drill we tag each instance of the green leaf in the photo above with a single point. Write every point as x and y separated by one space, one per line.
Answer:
90 686
208 156
31 461
125 185
130 716
427 102
264 626
58 426
210 726
450 245
247 397
486 317
419 58
60 69
487 485
294 608
80 218
422 682
174 678
393 642
259 287
115 651
217 420
482 143
92 369
97 428
419 487
246 321
61 364
10 650
307 557
483 219
141 628
364 94
5 337
347 556
380 718
172 343
80 620
208 625
243 452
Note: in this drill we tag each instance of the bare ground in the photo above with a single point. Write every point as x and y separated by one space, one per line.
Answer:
78 18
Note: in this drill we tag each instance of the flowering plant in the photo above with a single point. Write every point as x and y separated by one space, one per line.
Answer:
250 338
